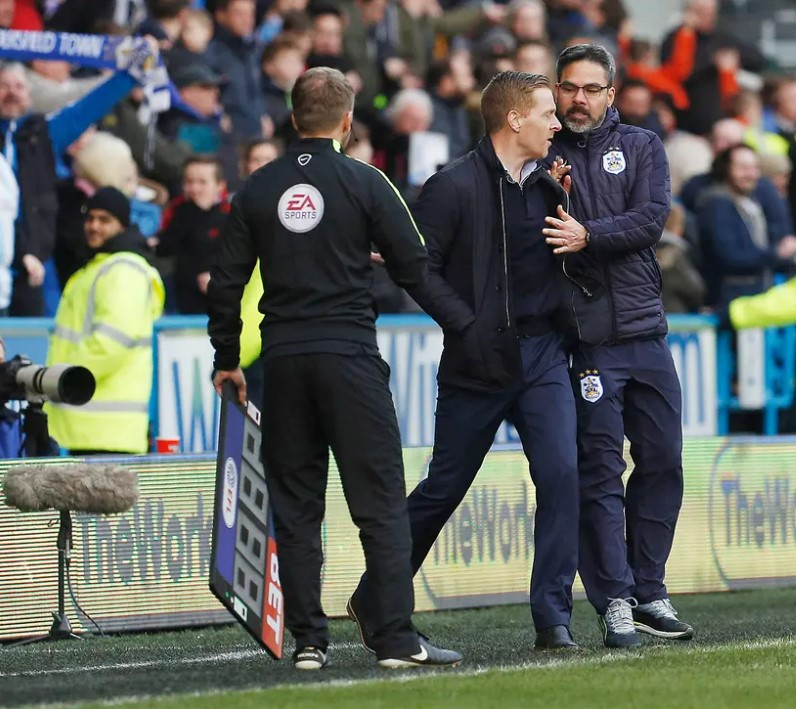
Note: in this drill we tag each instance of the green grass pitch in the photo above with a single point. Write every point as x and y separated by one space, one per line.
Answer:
744 655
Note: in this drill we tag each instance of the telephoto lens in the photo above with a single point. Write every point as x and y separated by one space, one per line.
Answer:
61 383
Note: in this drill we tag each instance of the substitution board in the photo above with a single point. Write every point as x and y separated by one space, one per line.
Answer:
244 567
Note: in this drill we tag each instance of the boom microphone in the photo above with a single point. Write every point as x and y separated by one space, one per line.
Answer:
96 488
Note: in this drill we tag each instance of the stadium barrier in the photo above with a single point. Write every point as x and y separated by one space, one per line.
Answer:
184 404
148 568
187 407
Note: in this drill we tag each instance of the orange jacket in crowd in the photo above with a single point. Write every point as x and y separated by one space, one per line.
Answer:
669 77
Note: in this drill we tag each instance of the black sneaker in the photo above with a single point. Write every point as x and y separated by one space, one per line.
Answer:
429 656
364 636
617 624
309 658
659 618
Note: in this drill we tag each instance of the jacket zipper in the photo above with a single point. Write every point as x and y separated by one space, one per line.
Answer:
606 269
583 288
505 253
575 313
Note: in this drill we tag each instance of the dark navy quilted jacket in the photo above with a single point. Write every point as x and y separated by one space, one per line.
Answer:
621 194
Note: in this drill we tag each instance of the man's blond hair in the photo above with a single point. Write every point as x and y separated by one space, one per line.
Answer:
507 91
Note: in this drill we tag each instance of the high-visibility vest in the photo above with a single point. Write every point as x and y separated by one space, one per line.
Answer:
250 338
104 323
766 143
776 307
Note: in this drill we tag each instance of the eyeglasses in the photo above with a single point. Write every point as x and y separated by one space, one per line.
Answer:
590 90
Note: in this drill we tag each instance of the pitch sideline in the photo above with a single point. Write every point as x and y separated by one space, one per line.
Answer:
409 676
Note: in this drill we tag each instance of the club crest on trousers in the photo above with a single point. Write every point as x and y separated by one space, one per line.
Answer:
591 386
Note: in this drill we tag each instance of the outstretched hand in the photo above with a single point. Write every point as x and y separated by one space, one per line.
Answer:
565 233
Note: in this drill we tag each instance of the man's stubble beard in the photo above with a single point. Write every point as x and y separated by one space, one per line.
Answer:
586 127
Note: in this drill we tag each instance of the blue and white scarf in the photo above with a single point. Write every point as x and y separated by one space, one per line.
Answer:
133 55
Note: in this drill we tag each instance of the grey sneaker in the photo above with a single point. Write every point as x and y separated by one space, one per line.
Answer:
659 618
617 624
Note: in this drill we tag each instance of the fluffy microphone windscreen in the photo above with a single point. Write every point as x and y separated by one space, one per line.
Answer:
97 488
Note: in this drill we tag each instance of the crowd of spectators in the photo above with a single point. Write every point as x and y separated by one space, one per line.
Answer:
727 121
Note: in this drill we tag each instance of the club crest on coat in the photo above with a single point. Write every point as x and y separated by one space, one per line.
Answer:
614 162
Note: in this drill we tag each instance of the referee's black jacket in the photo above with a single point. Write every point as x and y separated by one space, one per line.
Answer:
311 217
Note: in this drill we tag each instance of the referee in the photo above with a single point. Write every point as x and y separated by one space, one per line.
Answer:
310 217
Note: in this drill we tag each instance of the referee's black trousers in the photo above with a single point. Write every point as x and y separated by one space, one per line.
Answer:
313 402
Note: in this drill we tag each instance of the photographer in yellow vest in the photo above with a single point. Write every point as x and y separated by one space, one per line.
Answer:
104 322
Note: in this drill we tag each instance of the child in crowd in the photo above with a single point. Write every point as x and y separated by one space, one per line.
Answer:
197 31
259 152
191 226
282 64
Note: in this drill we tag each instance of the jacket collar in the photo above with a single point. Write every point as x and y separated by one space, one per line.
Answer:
223 35
269 87
486 151
314 145
130 240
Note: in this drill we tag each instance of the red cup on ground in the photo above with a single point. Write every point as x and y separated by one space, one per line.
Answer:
167 445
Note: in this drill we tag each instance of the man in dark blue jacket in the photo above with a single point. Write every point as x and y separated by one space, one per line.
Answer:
740 249
494 287
622 370
774 206
233 54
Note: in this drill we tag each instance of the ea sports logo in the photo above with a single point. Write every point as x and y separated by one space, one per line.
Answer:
300 208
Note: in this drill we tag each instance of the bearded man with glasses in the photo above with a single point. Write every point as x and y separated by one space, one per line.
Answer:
622 370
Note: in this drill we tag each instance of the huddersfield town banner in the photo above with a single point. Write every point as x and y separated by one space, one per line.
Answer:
133 55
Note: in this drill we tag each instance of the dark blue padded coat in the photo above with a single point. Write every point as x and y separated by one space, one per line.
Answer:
621 194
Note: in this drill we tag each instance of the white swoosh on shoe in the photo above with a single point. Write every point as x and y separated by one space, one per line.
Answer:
421 656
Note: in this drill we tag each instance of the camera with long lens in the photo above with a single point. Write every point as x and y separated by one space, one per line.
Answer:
22 380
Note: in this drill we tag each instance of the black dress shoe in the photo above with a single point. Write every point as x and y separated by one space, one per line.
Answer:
365 636
556 638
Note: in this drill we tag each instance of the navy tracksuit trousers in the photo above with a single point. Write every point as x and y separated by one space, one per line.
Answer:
541 408
630 389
